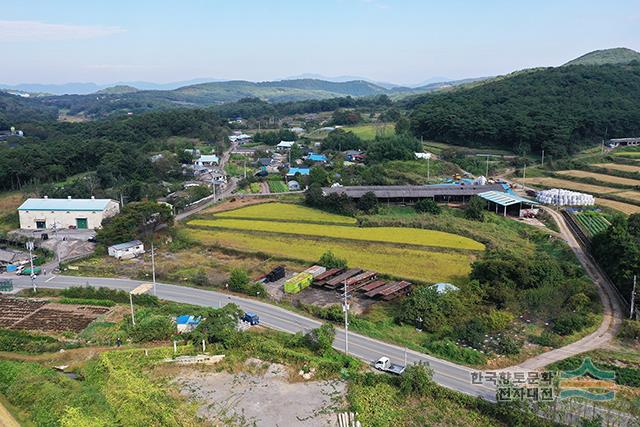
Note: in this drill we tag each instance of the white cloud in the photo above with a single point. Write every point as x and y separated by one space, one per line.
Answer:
19 31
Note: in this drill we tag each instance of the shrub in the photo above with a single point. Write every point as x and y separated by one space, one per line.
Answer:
475 209
368 203
329 260
630 330
238 280
152 327
498 320
508 346
201 278
320 340
547 339
568 323
428 206
114 295
451 351
23 342
87 301
416 380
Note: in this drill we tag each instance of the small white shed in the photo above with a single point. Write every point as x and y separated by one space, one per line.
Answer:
126 250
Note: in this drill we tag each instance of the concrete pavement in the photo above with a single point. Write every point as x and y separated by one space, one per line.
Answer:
447 374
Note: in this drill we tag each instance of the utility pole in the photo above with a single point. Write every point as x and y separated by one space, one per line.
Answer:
153 267
30 246
428 170
486 175
245 169
345 308
133 316
542 162
633 298
524 175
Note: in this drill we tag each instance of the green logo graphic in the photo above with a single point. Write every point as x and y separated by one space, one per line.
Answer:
587 368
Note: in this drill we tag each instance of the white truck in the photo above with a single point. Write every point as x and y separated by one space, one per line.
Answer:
385 365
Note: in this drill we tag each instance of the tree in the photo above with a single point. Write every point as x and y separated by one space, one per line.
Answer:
318 176
329 260
397 147
416 380
475 209
320 340
238 279
218 326
403 125
428 206
133 222
368 203
341 140
346 117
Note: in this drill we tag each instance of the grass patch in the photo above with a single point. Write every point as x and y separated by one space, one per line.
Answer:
370 131
277 186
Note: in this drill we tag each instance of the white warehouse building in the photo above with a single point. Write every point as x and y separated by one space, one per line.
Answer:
45 213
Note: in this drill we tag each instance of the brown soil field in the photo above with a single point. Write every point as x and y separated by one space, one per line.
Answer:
570 185
631 195
618 167
600 177
622 207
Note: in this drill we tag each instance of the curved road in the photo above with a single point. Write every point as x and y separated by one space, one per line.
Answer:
445 373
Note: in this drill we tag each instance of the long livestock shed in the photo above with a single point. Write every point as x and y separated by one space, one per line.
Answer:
507 203
413 193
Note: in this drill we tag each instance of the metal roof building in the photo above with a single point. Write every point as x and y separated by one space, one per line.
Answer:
505 200
48 213
413 193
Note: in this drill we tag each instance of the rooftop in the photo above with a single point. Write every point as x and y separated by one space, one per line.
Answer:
127 245
413 191
505 199
314 157
286 144
209 158
64 204
301 171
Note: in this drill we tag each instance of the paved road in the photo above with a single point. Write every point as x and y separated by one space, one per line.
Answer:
445 373
612 310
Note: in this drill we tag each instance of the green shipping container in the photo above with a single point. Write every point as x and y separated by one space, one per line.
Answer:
298 283
27 271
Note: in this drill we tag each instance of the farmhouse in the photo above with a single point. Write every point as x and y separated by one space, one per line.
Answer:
285 145
409 194
66 213
126 250
317 158
207 160
297 171
629 142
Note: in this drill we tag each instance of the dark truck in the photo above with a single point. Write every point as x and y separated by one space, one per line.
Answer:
251 318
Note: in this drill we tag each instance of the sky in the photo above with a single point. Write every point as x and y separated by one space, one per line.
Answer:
400 41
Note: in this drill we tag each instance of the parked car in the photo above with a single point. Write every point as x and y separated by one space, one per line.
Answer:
385 365
251 318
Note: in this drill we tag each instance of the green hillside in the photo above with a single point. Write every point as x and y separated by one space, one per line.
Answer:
119 89
554 108
619 55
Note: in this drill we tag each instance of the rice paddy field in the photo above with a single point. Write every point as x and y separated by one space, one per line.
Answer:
600 177
631 195
294 232
412 264
570 185
618 167
286 212
398 235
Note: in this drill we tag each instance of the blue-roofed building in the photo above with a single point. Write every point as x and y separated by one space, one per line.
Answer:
506 203
187 323
67 213
295 171
318 158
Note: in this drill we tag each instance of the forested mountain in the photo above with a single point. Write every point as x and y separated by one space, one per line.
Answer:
16 109
618 55
552 108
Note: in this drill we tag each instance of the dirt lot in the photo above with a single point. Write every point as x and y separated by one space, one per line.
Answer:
264 398
37 315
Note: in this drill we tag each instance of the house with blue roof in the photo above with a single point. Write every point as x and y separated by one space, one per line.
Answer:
298 171
187 323
317 158
46 213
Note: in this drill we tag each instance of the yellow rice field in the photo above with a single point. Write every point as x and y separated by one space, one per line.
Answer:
570 185
622 207
631 195
600 177
413 264
286 212
397 235
619 167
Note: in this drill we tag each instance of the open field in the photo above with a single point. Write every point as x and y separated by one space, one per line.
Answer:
278 187
370 131
631 195
404 236
600 177
414 264
622 207
570 185
286 212
630 154
618 167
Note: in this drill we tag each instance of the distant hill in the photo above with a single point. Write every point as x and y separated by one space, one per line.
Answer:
552 108
119 89
618 55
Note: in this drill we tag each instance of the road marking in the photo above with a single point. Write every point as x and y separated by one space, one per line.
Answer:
49 279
